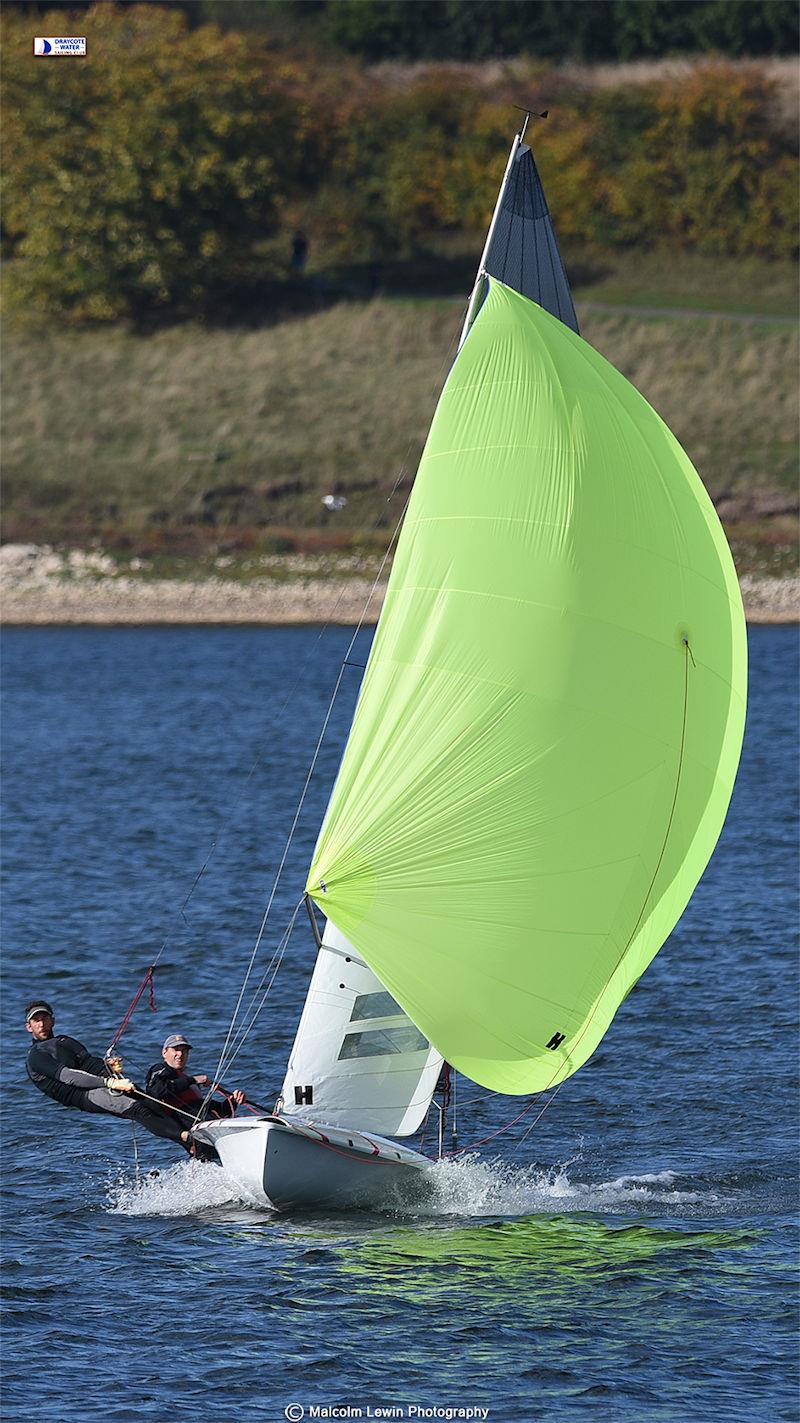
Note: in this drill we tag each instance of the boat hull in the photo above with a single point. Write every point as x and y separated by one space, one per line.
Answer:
307 1166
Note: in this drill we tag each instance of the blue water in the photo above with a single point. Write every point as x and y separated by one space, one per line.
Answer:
633 1258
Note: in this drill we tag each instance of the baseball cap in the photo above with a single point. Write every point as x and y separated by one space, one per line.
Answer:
176 1040
37 1006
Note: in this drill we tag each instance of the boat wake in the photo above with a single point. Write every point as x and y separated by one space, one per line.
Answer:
466 1187
186 1188
470 1186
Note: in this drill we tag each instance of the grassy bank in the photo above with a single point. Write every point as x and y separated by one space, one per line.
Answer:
192 443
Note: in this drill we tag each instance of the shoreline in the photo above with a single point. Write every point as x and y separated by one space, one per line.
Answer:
213 602
40 587
208 603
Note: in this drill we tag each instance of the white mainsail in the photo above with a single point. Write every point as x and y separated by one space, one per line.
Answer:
358 1061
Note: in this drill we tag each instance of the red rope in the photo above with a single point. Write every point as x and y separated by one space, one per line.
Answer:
147 982
473 1144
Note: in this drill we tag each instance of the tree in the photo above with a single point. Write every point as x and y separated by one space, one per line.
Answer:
144 176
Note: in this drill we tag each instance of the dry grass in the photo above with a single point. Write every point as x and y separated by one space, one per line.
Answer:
728 391
231 437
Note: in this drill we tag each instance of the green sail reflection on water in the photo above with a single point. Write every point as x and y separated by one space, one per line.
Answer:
550 1254
551 717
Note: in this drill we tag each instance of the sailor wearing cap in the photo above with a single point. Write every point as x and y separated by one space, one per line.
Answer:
65 1070
173 1085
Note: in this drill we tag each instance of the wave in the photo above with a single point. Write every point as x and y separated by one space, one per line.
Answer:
468 1186
187 1188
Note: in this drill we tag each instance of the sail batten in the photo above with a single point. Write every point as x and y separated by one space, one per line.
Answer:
537 773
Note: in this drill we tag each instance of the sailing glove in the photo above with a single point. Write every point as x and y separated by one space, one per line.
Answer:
120 1084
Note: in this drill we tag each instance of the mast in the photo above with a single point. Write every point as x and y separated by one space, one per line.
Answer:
477 289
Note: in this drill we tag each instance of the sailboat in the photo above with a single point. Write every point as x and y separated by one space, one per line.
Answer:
542 752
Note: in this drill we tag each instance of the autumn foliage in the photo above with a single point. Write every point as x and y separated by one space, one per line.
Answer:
144 175
152 174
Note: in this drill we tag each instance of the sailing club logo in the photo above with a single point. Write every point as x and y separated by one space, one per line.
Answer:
58 45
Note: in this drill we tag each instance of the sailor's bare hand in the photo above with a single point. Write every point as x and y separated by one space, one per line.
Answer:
238 1097
120 1084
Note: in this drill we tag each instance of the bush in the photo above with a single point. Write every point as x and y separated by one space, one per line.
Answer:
707 170
148 176
145 175
700 164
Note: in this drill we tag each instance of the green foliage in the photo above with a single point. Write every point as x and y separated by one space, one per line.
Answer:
700 164
451 29
145 175
706 169
150 176
742 27
480 29
558 29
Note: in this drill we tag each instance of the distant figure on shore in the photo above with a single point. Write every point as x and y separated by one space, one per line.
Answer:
170 1082
65 1070
299 252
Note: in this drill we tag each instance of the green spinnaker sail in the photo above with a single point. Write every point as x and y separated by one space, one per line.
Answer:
551 717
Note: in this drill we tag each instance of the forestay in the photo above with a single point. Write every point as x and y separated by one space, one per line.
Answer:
550 721
357 1061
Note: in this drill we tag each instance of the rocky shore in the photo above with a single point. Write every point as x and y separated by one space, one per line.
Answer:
39 585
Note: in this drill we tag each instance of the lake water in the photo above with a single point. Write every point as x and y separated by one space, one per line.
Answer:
633 1258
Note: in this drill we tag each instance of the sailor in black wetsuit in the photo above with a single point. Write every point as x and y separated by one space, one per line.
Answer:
170 1082
65 1070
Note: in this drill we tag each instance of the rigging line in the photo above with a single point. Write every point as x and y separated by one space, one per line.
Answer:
277 953
323 730
249 1027
261 754
522 230
492 1134
472 1100
283 859
322 733
539 1116
181 912
304 791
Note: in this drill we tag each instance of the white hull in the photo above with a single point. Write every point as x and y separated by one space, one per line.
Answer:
290 1164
